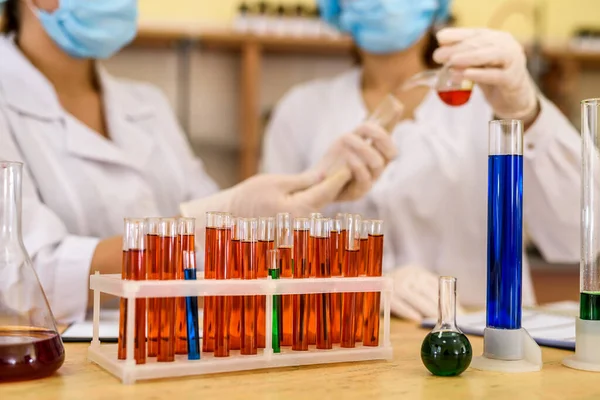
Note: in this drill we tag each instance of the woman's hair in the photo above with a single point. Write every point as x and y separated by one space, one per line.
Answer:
9 22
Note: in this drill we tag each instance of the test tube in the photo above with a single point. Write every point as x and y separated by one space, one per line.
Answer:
210 272
505 223
312 298
187 233
266 242
301 271
340 223
223 303
125 274
273 257
351 262
362 271
153 270
284 242
589 297
372 299
235 270
185 244
248 229
320 229
136 251
166 340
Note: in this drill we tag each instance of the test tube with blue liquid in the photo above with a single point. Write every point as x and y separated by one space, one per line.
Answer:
187 229
507 346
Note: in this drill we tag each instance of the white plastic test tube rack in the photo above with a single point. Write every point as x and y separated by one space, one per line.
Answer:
129 372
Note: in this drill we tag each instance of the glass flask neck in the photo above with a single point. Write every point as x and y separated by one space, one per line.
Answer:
447 305
10 201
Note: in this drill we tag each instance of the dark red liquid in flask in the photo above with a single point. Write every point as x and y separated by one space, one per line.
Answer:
455 97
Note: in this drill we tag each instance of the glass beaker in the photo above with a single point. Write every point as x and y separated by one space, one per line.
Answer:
30 346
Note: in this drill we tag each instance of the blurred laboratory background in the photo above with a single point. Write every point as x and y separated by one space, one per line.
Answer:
224 64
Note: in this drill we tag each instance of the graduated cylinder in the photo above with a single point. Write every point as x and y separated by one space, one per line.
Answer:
505 222
590 213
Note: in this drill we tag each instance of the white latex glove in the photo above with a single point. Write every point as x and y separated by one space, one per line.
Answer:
266 195
496 61
415 295
366 151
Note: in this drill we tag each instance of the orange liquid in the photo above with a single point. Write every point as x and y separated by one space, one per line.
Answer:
223 303
287 313
29 353
338 241
323 270
166 339
455 97
249 339
122 340
235 269
312 298
372 300
301 301
210 272
351 261
137 261
262 271
362 271
153 270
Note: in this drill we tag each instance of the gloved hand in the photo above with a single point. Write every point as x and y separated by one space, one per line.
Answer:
415 294
266 195
495 61
355 160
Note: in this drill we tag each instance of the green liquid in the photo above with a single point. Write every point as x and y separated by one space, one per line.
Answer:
446 353
589 306
275 326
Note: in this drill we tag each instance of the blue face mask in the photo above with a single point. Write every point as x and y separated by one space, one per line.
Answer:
91 28
384 26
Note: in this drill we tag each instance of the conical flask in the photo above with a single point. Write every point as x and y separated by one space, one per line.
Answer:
30 346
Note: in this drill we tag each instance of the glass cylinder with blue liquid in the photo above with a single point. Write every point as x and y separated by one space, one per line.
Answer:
505 224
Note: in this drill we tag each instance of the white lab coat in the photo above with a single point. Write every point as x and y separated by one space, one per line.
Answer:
78 186
433 197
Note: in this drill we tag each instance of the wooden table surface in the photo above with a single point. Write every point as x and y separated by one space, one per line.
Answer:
403 378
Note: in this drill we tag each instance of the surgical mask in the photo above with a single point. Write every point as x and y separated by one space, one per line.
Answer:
385 26
91 28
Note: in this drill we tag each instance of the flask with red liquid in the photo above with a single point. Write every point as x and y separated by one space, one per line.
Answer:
30 346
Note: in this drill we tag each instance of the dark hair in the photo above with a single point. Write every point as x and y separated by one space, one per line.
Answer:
10 17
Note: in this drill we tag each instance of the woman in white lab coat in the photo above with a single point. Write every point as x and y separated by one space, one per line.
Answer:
432 197
97 149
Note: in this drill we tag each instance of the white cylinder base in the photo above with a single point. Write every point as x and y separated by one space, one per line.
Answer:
587 350
508 350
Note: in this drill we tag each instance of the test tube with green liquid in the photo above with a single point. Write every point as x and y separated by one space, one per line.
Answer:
589 298
273 259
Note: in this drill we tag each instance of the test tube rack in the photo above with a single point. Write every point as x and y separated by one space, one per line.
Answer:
105 355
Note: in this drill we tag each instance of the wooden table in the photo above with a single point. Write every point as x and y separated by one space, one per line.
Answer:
404 378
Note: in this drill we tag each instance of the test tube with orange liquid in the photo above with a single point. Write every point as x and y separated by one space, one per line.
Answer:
301 271
153 273
235 271
222 303
284 242
125 274
353 223
248 230
338 235
210 272
321 262
312 298
166 339
372 299
136 252
266 242
362 271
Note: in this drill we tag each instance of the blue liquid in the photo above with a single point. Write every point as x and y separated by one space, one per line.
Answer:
505 241
191 311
